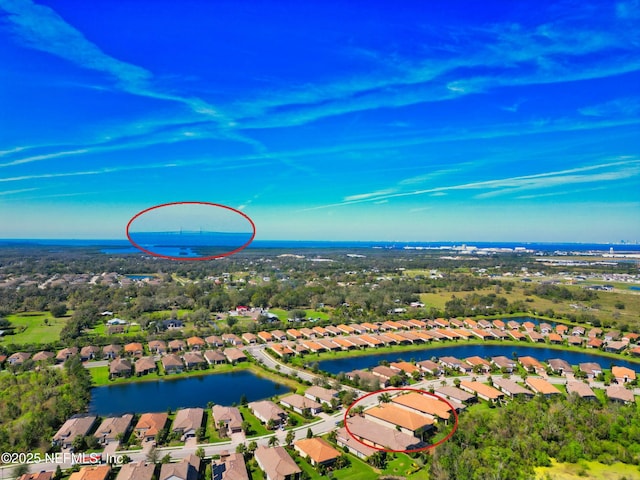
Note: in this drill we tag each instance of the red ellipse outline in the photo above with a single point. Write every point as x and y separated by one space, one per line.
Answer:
191 259
455 424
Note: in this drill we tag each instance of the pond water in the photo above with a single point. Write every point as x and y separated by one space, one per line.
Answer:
158 396
463 351
139 277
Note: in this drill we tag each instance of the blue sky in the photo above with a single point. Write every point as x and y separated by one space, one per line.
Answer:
330 120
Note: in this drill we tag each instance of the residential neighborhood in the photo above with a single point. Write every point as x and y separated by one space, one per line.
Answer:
424 375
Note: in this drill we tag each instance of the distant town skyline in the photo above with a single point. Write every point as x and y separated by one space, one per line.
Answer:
431 121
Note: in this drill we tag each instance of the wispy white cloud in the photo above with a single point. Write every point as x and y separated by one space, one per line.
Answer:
629 106
560 193
11 151
22 190
621 169
223 165
505 55
364 196
41 28
47 156
438 173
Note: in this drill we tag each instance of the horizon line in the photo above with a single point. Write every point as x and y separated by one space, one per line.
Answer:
461 242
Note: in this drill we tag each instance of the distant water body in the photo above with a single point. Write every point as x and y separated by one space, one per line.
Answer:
349 364
191 239
124 246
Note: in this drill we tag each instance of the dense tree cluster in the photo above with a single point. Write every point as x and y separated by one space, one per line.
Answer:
558 292
35 404
508 442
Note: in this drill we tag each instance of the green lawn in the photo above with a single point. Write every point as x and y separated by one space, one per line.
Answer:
284 314
100 375
299 419
101 329
358 470
257 428
35 330
308 469
404 466
211 429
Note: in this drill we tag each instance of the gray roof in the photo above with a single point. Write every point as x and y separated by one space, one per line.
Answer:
380 435
136 471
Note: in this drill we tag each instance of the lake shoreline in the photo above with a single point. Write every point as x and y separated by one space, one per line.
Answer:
319 357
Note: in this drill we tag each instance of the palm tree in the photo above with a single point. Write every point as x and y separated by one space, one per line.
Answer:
273 441
290 438
384 398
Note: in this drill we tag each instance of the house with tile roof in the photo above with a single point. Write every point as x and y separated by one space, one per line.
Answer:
345 440
511 388
427 405
113 429
97 472
120 367
266 411
321 394
618 393
485 392
37 476
136 471
187 422
214 357
229 417
78 425
145 365
558 365
276 463
623 374
301 405
172 363
379 436
317 450
405 420
541 386
230 467
187 469
581 389
149 425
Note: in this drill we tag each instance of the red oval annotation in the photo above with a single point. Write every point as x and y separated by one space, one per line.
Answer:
386 390
225 208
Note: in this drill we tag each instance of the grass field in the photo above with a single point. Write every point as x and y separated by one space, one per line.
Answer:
35 330
404 466
603 307
129 330
588 470
283 314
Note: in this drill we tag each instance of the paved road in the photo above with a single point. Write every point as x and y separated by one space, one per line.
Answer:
258 352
